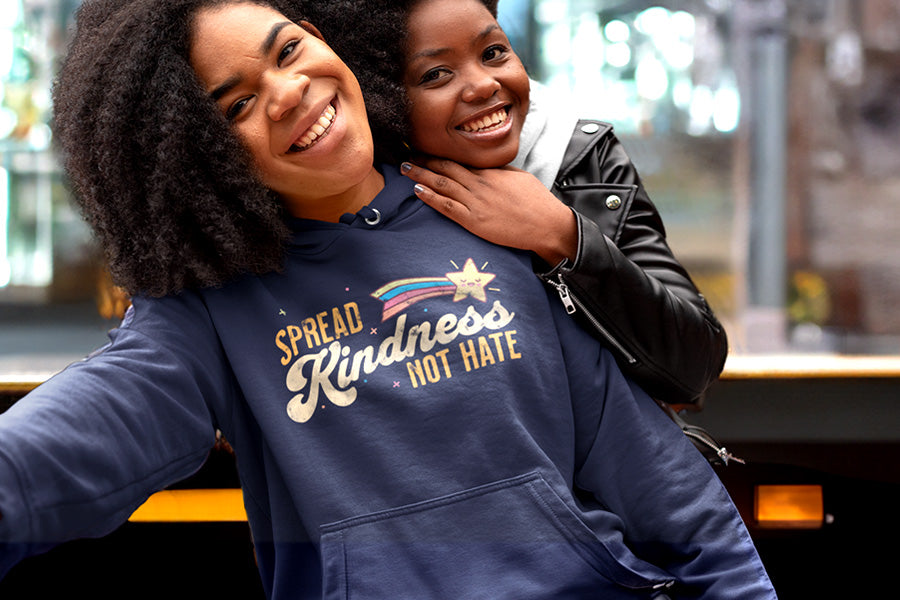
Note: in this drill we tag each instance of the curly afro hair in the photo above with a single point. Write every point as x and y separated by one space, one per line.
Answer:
371 37
154 167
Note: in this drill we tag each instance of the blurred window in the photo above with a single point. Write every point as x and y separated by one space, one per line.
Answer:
765 131
48 265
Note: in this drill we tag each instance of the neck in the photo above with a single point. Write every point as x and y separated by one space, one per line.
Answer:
329 208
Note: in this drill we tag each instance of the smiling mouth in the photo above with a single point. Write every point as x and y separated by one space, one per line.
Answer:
487 122
318 130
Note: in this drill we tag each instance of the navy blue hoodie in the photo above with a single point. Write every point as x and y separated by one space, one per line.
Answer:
413 415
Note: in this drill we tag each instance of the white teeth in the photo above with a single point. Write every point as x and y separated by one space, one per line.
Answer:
317 129
486 122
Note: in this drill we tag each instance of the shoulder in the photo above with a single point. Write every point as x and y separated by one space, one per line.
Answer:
588 136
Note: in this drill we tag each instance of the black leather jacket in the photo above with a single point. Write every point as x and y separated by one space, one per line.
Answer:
625 284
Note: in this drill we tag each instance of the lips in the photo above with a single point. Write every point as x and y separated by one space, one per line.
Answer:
317 131
486 122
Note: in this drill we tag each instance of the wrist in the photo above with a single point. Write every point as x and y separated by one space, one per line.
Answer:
561 239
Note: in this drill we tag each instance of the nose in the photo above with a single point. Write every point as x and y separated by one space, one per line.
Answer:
286 91
480 85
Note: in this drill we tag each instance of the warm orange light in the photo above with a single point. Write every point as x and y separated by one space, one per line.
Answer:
789 506
196 506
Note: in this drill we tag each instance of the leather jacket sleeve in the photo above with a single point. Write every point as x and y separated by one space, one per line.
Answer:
625 283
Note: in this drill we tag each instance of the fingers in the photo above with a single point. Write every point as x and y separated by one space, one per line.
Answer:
441 183
445 205
444 166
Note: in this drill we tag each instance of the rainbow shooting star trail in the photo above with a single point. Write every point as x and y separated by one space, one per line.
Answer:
399 295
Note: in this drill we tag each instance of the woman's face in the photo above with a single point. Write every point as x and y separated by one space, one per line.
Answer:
468 89
293 103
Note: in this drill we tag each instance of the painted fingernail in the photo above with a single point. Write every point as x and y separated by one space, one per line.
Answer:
405 167
419 188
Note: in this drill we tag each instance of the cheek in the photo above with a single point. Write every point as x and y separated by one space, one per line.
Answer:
517 82
429 131
430 113
270 177
253 141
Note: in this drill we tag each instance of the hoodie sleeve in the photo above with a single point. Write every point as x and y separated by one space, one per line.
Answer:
639 465
81 452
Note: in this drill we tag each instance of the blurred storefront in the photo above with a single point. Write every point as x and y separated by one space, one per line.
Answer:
765 130
44 246
767 133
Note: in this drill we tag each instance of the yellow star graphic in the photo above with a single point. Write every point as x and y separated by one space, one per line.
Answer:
470 282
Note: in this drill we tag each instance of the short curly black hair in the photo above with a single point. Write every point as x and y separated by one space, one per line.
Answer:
371 37
154 167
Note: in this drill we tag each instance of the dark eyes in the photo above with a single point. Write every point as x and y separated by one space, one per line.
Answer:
491 54
433 75
287 51
494 52
235 109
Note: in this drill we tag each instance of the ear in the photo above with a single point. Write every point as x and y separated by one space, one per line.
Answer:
312 29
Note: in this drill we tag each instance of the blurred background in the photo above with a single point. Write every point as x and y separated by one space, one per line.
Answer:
765 131
768 134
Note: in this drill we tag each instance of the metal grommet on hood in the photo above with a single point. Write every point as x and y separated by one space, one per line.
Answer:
374 217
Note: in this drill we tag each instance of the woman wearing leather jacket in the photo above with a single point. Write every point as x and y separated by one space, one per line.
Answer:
607 256
625 281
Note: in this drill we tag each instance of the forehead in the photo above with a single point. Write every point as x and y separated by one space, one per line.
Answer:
433 20
221 22
225 34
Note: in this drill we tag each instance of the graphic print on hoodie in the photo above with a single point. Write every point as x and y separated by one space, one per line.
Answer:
325 367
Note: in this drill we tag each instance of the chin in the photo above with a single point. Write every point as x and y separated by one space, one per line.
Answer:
489 160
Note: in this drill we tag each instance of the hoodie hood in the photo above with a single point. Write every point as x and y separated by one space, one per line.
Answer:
395 201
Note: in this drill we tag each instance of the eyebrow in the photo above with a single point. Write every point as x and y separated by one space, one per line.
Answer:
264 48
430 52
267 44
226 87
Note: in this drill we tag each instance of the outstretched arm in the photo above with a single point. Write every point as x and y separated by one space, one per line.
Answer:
86 448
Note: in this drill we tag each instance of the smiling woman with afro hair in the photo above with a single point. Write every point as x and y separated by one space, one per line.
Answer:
370 36
169 190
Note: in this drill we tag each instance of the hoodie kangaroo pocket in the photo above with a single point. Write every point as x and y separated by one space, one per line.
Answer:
512 539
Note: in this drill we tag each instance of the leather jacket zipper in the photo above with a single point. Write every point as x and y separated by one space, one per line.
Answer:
573 304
